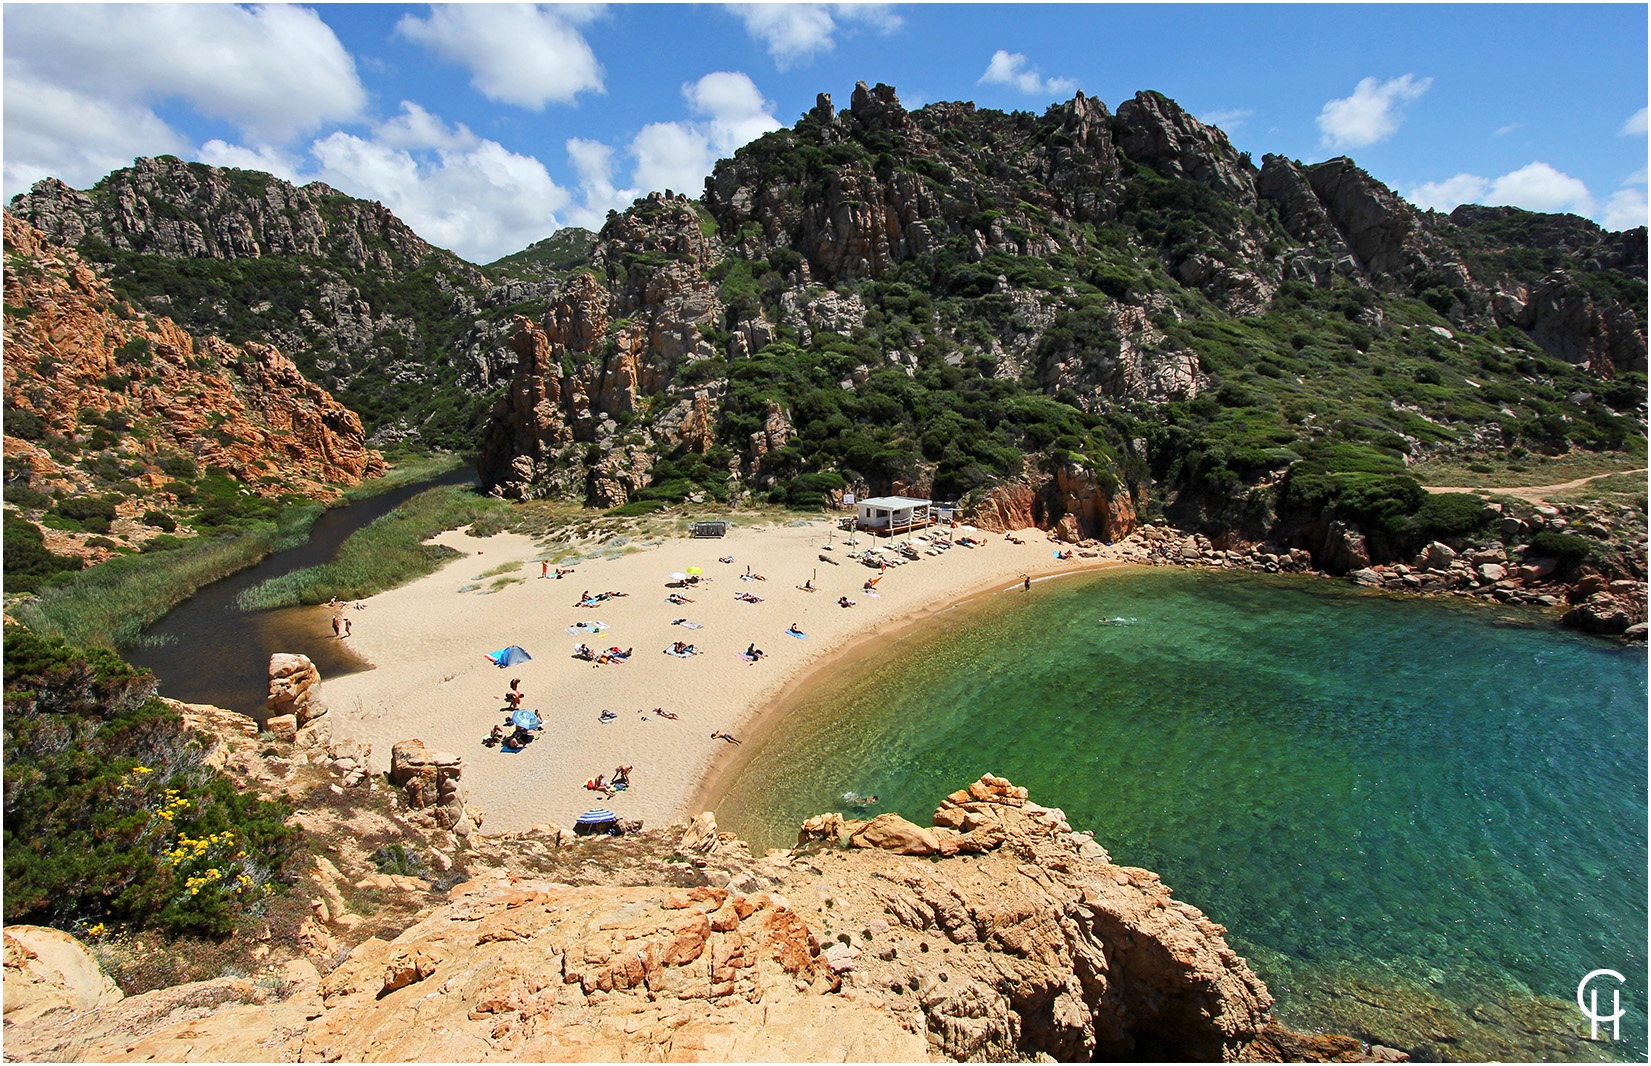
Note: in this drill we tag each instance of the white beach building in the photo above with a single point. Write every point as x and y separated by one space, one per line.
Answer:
894 514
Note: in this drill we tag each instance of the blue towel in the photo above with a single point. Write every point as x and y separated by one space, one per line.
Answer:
799 636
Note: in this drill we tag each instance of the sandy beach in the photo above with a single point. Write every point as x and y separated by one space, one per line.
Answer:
431 678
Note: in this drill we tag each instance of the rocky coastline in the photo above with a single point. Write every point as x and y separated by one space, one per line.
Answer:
998 933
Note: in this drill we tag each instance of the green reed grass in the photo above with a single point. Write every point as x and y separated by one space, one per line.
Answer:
406 472
381 555
110 604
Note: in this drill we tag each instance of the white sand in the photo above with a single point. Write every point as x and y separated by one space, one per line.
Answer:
432 681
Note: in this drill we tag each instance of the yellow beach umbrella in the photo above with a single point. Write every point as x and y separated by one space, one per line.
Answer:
695 570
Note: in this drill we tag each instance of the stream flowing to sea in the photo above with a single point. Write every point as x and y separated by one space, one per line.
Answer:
1422 821
208 650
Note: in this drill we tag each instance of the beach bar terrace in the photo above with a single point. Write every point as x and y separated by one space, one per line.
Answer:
894 514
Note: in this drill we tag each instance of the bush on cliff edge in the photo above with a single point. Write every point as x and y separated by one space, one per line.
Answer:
111 818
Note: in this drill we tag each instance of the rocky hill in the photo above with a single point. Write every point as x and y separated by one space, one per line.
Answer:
363 305
1083 315
122 427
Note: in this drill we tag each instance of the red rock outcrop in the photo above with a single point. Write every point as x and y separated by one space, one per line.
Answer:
1068 501
600 355
74 353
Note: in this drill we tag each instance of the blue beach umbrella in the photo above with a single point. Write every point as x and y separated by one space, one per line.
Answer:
525 719
596 821
508 656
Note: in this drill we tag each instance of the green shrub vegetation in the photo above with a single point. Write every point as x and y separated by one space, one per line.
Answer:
1566 547
28 563
1450 514
112 821
109 604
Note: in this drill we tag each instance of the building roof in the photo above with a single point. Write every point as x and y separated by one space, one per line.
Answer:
894 502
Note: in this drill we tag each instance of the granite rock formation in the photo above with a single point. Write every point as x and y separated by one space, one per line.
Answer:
1028 943
604 352
432 787
77 356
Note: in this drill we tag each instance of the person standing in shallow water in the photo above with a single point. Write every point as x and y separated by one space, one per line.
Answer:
1028 581
338 627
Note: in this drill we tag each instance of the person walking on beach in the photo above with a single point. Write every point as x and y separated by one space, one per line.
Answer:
544 569
1028 582
346 627
338 627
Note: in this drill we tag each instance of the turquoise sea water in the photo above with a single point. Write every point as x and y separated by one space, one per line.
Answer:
1422 821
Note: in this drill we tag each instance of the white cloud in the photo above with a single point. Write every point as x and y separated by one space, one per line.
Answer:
1009 68
272 71
671 155
1371 114
518 54
1534 187
1228 118
455 189
1446 195
679 155
418 128
59 133
1503 131
1634 125
729 111
1624 210
795 33
593 162
734 108
1539 187
219 153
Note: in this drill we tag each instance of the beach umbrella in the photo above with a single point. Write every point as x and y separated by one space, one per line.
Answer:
677 576
508 656
596 821
695 570
525 719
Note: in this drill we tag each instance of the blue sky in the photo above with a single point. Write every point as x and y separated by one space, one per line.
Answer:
488 126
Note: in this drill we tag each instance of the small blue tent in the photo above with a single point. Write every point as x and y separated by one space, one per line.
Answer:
508 656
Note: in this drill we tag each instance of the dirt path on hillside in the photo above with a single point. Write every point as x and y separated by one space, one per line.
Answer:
1530 493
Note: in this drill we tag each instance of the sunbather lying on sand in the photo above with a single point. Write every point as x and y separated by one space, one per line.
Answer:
723 735
746 597
844 601
677 599
807 586
663 713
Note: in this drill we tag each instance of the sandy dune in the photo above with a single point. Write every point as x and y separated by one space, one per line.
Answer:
432 681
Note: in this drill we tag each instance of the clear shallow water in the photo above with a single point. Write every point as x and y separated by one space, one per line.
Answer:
1422 824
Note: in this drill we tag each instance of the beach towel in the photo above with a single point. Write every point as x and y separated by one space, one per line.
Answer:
873 595
689 625
794 633
586 628
511 751
748 658
679 654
